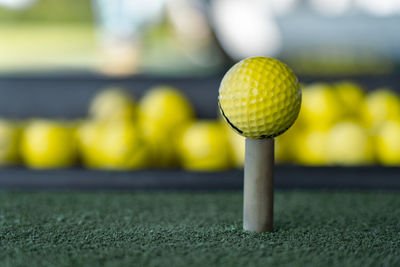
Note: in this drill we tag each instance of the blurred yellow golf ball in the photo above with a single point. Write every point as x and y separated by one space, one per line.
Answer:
89 135
382 105
164 111
205 146
48 144
114 145
310 146
349 143
162 143
113 104
352 97
9 143
321 106
260 97
388 143
123 147
165 106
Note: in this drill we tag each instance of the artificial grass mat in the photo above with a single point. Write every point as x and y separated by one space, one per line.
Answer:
197 229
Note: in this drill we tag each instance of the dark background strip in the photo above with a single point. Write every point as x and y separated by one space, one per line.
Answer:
286 177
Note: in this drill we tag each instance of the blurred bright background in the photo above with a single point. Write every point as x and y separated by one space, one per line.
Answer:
337 46
181 37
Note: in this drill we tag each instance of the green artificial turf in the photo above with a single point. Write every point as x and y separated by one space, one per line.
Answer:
197 229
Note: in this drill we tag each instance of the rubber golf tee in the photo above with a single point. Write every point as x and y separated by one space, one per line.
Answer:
258 200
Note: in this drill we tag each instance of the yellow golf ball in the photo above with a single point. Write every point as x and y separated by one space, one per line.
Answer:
387 143
113 104
348 143
116 145
164 112
48 144
9 142
89 136
260 97
166 106
205 146
310 147
382 105
321 107
352 98
122 147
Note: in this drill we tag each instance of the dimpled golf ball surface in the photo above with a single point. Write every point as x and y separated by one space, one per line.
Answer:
260 97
